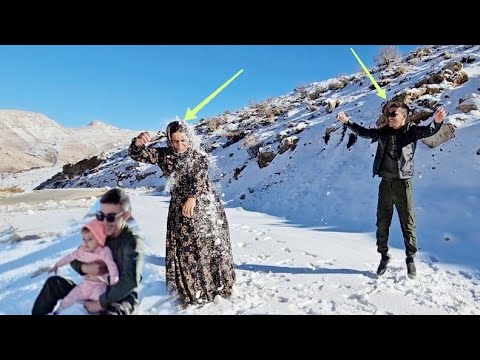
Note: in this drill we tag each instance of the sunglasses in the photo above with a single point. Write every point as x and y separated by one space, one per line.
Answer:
392 114
109 217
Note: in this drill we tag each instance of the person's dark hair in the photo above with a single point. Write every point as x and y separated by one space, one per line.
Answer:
399 105
176 126
172 128
116 196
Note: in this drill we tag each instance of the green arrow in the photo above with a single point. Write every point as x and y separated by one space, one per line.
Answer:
381 92
191 114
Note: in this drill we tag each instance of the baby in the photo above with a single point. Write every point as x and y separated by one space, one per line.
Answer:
93 249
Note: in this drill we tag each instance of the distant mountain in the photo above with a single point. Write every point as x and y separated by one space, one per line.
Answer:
29 140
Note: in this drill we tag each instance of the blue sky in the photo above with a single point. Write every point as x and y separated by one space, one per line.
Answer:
143 87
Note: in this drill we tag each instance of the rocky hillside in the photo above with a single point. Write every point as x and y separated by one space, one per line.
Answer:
29 140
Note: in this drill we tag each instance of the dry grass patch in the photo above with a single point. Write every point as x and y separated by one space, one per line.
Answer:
11 190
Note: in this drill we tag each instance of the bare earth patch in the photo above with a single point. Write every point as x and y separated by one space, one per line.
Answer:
4 192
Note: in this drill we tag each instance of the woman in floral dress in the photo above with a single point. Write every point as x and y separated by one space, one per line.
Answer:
199 262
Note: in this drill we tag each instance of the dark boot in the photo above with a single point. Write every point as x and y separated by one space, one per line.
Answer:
411 270
382 267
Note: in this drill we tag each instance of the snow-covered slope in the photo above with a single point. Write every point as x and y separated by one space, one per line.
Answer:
323 178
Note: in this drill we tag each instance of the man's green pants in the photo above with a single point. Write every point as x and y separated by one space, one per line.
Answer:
400 194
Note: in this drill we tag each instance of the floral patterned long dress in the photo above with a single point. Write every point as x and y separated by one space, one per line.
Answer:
199 261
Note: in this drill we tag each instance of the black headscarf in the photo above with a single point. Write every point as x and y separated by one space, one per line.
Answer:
173 127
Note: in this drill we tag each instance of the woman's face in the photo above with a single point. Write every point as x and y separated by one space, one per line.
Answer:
180 142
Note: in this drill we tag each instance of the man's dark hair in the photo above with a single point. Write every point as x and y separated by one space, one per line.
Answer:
399 105
116 196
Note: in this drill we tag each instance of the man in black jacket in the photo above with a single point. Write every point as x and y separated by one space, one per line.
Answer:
121 298
393 162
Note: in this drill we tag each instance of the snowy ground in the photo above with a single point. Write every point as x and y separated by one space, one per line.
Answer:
281 268
309 248
28 180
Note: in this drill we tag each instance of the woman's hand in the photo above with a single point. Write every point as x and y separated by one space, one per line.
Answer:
187 209
142 139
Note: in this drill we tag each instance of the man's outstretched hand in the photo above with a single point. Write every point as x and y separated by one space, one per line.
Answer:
342 117
440 115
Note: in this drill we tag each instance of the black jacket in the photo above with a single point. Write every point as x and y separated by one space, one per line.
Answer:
405 142
127 254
